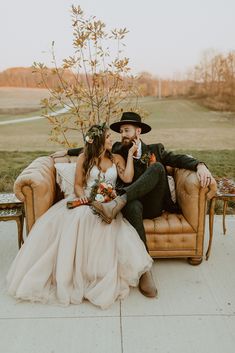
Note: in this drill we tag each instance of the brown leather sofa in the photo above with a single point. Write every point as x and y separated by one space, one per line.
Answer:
168 236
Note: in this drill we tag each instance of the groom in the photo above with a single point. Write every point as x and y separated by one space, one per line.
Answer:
148 194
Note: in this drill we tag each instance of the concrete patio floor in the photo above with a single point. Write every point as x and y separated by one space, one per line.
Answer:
195 311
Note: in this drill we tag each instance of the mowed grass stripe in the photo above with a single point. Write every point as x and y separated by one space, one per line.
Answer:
221 163
178 124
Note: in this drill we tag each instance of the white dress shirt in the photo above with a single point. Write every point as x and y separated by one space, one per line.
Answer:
139 151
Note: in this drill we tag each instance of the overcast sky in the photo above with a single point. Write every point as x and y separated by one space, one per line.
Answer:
166 36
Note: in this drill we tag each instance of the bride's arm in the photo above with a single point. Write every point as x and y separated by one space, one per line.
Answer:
78 185
125 170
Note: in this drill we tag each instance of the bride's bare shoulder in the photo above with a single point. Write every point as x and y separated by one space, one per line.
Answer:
81 158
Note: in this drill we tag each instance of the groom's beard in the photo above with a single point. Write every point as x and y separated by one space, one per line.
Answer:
127 143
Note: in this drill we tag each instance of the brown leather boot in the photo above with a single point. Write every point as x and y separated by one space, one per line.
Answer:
109 210
147 286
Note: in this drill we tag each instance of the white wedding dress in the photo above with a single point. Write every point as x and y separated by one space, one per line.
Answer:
71 254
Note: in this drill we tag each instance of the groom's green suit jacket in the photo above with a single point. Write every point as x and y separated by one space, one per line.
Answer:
164 157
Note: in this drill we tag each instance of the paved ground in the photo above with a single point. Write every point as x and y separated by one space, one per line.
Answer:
195 311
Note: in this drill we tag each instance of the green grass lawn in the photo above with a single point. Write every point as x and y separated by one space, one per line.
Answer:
221 163
12 163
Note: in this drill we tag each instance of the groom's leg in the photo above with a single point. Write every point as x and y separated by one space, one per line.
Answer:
145 198
133 212
154 201
150 188
154 178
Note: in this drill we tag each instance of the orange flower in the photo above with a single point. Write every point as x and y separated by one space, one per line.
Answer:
107 198
152 158
101 188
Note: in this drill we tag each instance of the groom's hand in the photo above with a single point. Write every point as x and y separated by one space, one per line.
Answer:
134 147
204 175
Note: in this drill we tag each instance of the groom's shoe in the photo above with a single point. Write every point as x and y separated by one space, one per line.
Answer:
147 286
109 210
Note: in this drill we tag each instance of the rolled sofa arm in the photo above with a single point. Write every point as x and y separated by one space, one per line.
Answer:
212 189
191 197
36 187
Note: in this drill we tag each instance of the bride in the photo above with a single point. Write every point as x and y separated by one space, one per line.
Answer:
70 254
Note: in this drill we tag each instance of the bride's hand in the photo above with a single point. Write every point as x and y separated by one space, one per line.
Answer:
83 199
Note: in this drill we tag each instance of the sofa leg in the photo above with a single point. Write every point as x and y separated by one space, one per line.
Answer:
195 260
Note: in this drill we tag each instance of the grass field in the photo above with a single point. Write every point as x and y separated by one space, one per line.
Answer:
18 103
178 124
181 125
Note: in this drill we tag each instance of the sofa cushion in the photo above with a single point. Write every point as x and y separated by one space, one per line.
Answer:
173 244
65 176
171 183
168 223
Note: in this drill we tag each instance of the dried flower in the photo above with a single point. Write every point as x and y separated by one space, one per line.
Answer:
225 186
95 131
88 139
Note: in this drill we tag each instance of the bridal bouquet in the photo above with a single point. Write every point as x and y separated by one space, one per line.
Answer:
101 191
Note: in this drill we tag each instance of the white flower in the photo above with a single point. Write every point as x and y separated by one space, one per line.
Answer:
88 139
99 198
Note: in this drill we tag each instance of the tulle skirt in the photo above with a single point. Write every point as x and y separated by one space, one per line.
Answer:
71 255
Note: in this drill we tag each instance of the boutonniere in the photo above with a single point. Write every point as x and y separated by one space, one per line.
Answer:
148 158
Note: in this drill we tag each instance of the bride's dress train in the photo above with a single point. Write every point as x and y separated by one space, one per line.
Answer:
70 254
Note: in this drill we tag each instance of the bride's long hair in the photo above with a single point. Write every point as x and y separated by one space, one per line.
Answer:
94 147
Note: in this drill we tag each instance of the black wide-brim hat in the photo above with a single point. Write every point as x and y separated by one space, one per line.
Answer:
133 119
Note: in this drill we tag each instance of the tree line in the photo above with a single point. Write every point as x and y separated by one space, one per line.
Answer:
212 81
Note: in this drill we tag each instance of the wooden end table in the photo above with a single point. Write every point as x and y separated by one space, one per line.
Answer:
12 209
225 198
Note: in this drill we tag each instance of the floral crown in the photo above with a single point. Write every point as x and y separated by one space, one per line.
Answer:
96 130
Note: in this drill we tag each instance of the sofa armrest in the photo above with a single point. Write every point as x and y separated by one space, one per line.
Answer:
212 189
190 196
36 187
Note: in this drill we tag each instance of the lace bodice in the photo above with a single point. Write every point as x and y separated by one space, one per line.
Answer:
110 177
